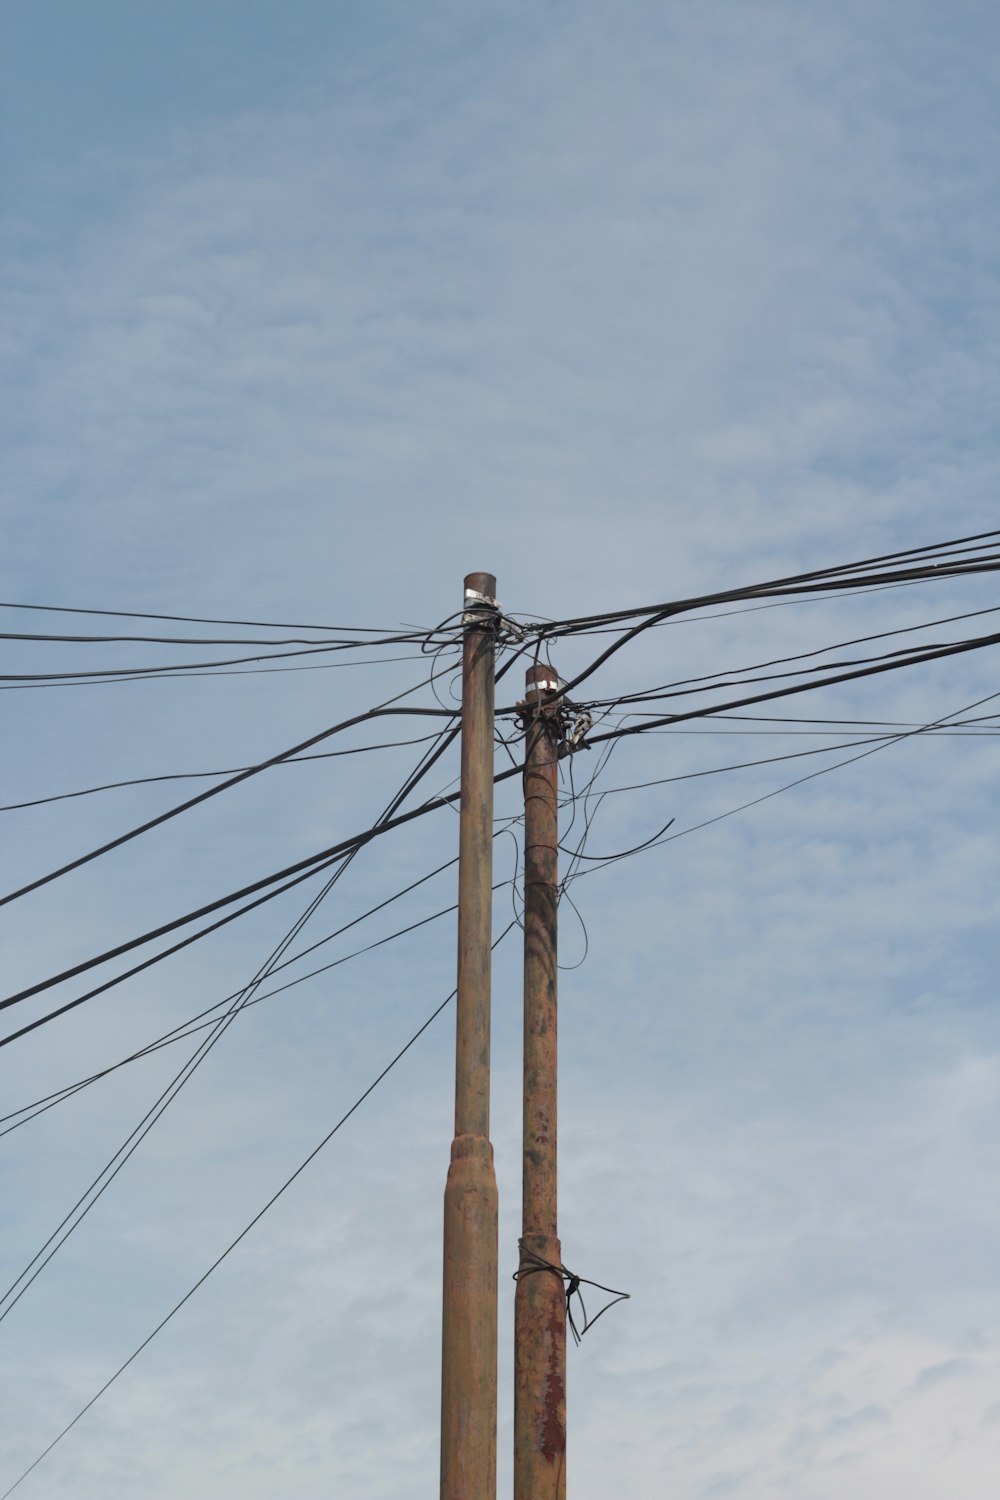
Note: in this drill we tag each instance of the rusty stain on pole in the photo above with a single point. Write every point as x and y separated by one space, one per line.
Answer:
469 1320
539 1303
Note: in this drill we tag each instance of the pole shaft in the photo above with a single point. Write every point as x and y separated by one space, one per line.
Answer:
469 1321
539 1303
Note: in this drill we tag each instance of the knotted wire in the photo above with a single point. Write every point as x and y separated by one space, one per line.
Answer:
573 1285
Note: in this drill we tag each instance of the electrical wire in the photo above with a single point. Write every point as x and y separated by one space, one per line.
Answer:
110 786
125 614
186 667
817 579
582 632
201 640
178 676
313 861
171 1035
745 765
383 710
916 659
301 870
109 1172
246 1230
707 685
195 1023
603 861
691 683
800 781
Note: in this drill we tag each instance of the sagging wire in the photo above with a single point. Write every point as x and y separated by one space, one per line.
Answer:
243 1233
194 1024
96 1189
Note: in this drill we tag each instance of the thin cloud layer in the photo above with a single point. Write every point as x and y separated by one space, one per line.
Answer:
623 308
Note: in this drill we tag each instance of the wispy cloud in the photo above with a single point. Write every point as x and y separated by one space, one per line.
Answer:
624 307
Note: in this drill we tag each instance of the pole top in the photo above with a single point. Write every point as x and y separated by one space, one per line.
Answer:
540 679
482 583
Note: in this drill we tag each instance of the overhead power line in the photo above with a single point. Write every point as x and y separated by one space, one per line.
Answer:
709 684
196 1023
92 1194
172 1033
246 1229
602 862
184 667
298 760
345 643
730 812
917 659
149 675
187 1027
779 661
128 614
843 576
382 711
312 863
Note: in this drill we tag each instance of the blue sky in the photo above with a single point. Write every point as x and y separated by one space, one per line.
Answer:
311 310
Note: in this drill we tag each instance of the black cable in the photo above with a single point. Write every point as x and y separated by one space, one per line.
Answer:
777 661
218 1028
170 1036
382 711
381 630
864 723
125 614
984 732
657 615
563 894
573 1284
178 676
131 1143
813 775
583 632
786 692
606 859
818 576
246 1230
194 1024
622 732
346 642
707 685
110 786
184 667
156 958
301 870
188 1027
746 765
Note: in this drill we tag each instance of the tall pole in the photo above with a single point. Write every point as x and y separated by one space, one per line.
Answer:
539 1303
469 1322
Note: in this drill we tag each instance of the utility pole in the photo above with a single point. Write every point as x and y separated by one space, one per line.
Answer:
540 1303
469 1321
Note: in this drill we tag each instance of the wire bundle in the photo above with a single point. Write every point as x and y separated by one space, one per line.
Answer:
719 697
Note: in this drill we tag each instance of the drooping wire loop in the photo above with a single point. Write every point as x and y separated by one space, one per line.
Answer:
536 1263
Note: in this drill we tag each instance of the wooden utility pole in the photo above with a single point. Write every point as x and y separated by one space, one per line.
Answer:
469 1322
540 1302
